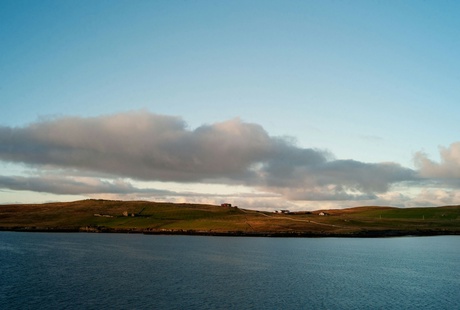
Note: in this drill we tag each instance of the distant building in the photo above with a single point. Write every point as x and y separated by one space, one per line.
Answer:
103 215
323 214
285 211
226 205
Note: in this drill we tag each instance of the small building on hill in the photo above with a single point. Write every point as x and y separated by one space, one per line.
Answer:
226 205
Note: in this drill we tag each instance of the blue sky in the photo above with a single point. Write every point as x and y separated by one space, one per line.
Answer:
366 82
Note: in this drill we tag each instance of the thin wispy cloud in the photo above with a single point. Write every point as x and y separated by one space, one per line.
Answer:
62 185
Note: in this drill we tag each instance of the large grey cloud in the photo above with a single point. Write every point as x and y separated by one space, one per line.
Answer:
338 179
140 145
146 146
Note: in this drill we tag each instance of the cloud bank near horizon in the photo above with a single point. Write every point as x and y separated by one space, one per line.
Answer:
149 147
447 171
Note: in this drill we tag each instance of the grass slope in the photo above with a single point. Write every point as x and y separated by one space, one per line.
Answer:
155 217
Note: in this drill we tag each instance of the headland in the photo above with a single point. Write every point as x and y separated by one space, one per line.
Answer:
111 216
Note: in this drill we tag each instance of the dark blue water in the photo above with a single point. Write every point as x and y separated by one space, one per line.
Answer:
120 271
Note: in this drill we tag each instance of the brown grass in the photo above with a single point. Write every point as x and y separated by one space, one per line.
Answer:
156 216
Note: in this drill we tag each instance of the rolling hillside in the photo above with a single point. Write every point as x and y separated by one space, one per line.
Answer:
168 218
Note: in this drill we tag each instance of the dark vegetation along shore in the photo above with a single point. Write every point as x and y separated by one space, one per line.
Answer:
197 219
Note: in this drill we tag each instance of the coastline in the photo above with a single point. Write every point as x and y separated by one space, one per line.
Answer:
156 218
364 233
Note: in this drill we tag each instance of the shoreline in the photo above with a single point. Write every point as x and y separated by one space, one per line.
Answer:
268 234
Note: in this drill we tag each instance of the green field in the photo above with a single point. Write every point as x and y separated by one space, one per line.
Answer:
155 217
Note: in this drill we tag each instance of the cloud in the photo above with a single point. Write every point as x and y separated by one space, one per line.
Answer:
371 138
119 189
74 186
317 178
140 145
436 197
145 146
447 171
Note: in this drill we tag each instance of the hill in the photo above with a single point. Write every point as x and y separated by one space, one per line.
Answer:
169 218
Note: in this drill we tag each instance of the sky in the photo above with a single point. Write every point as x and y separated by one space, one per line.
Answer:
298 105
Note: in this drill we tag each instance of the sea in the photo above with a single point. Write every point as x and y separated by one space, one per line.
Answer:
135 271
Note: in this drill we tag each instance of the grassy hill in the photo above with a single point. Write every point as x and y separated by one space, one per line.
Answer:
155 217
